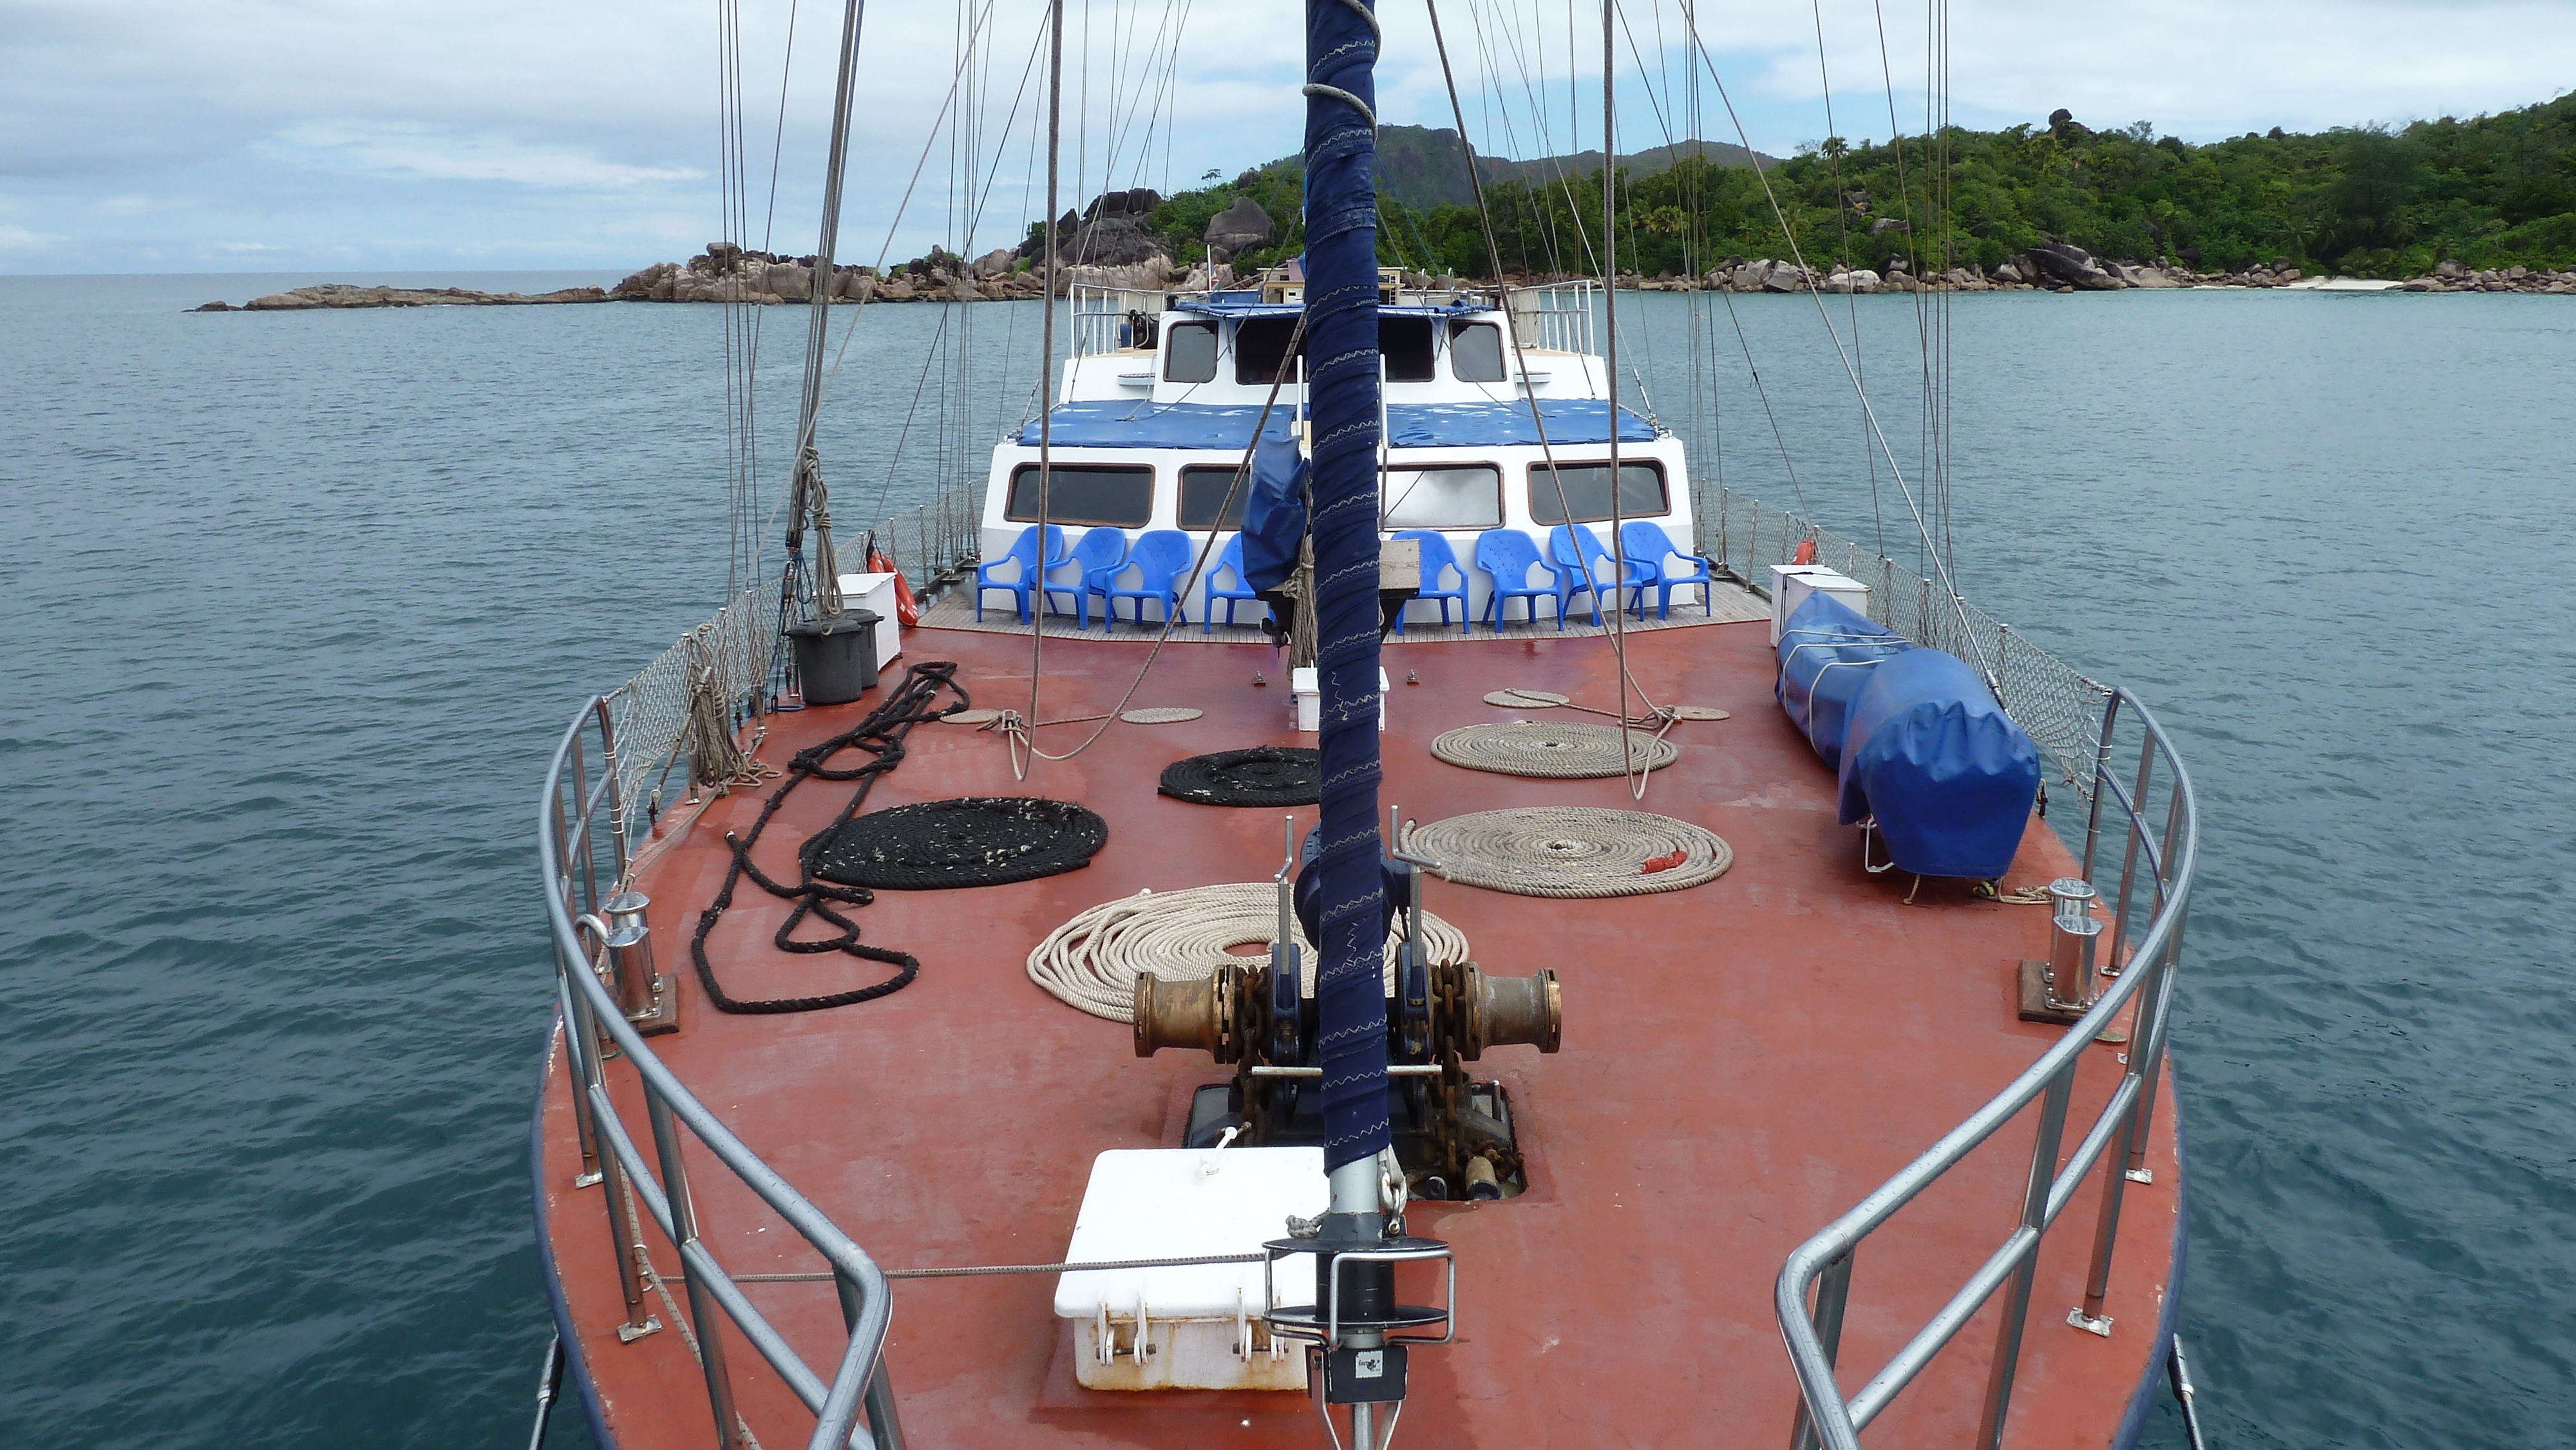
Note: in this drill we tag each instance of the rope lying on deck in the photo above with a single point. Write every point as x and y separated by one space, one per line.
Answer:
1571 851
881 737
1552 749
1263 775
1092 961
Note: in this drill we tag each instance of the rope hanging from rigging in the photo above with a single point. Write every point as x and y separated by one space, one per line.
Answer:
881 738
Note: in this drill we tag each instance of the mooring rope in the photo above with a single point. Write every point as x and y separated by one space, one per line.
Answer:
1092 961
1571 851
1569 750
881 736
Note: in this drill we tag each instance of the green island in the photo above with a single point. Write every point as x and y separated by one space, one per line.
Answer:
2488 192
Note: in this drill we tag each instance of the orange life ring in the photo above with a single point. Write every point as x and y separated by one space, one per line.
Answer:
1806 552
906 608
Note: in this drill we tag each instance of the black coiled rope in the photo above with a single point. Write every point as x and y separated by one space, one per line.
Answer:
881 737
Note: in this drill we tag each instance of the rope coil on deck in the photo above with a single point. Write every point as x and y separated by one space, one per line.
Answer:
969 841
1571 851
1557 750
1092 960
1263 775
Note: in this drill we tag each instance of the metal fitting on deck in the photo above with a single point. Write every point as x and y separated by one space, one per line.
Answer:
1507 1011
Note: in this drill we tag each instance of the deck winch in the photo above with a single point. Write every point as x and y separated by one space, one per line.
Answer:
1454 1137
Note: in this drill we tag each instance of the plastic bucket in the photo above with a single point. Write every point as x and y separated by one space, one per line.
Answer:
836 656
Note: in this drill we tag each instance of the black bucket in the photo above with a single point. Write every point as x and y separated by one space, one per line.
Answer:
836 656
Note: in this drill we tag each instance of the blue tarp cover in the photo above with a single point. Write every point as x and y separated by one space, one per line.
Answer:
1120 423
1571 422
1827 652
1947 773
1274 517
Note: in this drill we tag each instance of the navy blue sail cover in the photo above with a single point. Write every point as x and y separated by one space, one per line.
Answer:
1947 773
1342 353
1274 517
1827 652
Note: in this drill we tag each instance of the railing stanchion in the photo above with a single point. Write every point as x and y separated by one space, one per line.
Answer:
2144 1027
1833 1292
2148 1042
885 1427
585 1131
616 789
684 1236
612 1177
2034 1216
2129 856
2093 787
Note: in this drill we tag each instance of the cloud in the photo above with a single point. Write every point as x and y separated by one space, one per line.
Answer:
427 153
584 133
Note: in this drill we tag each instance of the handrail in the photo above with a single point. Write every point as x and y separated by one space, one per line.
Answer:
587 1008
2116 1138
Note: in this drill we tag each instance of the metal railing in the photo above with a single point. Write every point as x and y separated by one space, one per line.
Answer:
1100 316
1553 315
577 855
2117 1138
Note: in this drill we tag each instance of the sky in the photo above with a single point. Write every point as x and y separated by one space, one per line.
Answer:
380 136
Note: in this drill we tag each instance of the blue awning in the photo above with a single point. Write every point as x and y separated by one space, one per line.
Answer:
1571 422
1117 423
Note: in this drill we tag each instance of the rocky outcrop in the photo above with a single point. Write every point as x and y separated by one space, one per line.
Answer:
725 272
2070 266
1240 228
344 294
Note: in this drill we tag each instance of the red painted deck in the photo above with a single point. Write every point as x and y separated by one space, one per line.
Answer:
1742 1060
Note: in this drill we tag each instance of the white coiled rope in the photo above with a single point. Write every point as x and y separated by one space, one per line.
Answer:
1092 961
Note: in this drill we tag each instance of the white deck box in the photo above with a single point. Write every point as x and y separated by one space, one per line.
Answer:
1197 1328
1791 584
876 592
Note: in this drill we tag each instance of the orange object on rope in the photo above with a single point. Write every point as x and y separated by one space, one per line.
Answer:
1806 552
906 608
1665 863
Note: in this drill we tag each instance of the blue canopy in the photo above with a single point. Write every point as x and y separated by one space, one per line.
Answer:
1947 773
1827 653
1571 422
1118 423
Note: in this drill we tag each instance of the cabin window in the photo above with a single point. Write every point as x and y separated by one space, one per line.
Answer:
1476 352
1464 497
1260 346
1405 343
1189 352
1587 492
1203 493
1084 494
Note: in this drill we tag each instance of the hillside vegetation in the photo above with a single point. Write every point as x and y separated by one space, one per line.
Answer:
2490 191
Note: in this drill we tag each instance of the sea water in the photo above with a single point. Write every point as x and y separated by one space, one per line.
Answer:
292 607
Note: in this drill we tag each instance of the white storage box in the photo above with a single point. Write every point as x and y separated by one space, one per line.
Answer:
1791 584
876 592
1306 696
1197 1328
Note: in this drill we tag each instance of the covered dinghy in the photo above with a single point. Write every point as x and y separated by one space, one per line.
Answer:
1828 650
1947 773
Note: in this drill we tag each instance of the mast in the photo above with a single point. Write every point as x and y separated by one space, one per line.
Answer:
811 499
1343 424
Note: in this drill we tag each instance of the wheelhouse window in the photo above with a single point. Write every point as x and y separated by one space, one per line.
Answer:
1475 352
1189 352
1405 343
1204 490
1587 492
1466 496
1090 493
1260 346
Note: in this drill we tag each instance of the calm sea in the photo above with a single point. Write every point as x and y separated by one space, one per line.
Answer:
292 606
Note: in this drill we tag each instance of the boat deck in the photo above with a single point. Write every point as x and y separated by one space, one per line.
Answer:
1742 1061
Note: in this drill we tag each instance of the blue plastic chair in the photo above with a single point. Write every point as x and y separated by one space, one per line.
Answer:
1099 554
1024 553
1437 560
1571 550
1647 546
1241 591
1508 555
1159 558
